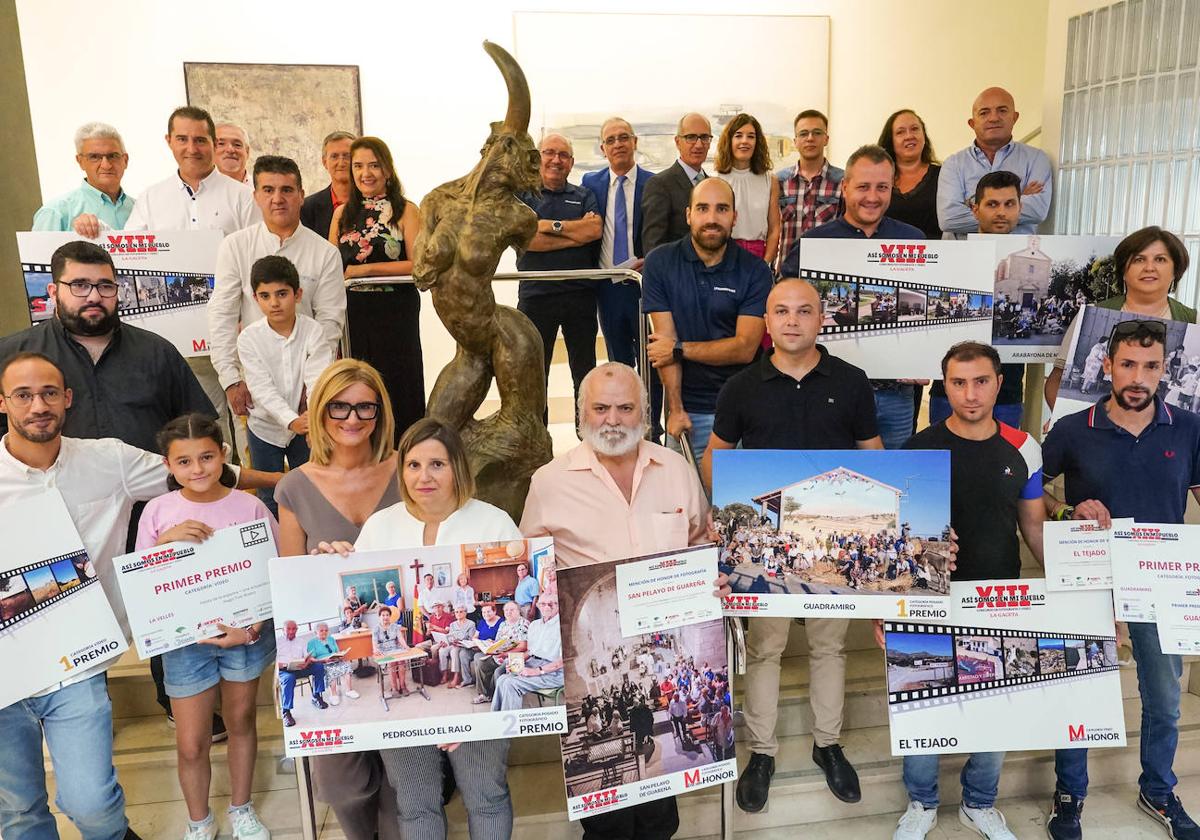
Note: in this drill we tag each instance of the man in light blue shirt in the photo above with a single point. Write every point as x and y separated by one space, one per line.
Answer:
98 203
992 117
527 590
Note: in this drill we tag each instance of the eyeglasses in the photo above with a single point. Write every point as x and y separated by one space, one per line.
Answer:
815 133
338 410
1156 331
692 139
50 396
82 288
550 153
110 157
620 138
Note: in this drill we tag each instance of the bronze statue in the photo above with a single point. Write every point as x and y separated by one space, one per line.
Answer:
466 225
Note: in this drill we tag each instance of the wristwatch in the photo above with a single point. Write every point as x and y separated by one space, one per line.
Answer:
556 226
1064 513
677 353
253 634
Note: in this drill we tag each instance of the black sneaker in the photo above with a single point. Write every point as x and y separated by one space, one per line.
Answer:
130 834
219 733
755 783
319 702
1064 817
1171 816
288 720
839 773
170 720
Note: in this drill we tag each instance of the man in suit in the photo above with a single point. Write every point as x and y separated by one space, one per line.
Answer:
665 203
316 213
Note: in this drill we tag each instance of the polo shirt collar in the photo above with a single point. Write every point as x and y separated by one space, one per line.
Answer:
583 458
824 366
1098 417
1002 152
61 331
102 196
689 253
565 188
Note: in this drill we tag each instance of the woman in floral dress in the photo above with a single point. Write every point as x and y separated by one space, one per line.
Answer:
374 231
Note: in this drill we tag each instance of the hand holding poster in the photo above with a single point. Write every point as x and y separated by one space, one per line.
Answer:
849 534
177 593
55 618
651 711
389 609
1006 673
1076 554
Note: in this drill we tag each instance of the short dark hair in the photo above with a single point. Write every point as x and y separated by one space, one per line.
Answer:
998 180
1140 240
810 114
969 351
1144 333
28 356
191 112
193 426
873 153
274 269
384 609
277 165
79 251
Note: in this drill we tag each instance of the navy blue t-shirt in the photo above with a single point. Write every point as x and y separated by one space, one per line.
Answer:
568 204
1146 477
839 228
704 303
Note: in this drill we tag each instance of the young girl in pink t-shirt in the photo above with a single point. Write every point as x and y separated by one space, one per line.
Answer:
229 664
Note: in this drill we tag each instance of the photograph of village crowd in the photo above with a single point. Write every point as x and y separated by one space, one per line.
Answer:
935 660
833 522
869 303
639 707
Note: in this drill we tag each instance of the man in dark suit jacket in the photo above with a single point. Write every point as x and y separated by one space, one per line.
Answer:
664 205
316 213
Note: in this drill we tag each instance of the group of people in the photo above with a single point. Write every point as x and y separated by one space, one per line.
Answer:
105 412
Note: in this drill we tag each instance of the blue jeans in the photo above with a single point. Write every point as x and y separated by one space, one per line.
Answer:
1010 413
700 432
1158 684
980 779
270 458
894 415
287 681
77 724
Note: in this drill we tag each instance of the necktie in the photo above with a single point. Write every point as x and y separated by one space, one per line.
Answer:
699 177
620 248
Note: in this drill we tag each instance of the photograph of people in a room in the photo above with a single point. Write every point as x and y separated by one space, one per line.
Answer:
833 522
639 707
413 633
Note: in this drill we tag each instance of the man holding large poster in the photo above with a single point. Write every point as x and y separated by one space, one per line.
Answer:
1130 456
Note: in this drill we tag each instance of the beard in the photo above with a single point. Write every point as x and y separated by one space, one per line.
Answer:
614 441
711 237
76 324
1132 402
24 429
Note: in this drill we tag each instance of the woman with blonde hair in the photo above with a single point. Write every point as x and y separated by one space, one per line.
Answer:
744 161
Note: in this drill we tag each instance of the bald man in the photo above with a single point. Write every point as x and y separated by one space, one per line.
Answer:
993 116
705 300
665 201
569 225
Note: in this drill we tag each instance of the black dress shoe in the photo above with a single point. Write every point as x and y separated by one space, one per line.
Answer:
839 774
319 702
288 720
755 783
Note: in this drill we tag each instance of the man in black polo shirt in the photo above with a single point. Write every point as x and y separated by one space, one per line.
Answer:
995 488
797 397
1130 455
568 227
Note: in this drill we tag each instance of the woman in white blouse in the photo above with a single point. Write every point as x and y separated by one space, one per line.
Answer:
744 161
438 509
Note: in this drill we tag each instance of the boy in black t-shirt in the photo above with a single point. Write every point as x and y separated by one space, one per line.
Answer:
995 488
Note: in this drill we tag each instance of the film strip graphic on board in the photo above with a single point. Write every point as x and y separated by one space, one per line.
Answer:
948 663
139 291
27 590
852 304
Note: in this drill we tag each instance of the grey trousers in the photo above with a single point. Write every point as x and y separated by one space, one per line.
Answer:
481 770
356 787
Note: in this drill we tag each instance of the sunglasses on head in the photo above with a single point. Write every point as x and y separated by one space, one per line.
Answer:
1137 331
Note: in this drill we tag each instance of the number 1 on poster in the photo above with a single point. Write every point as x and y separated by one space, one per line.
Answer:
903 609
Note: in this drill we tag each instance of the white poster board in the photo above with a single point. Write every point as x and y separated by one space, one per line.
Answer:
1076 553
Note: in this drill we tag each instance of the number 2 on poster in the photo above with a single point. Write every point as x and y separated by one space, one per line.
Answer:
510 726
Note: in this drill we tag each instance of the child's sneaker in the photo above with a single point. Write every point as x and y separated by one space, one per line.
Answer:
246 825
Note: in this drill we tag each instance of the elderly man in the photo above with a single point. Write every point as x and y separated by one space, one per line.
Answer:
233 152
296 661
568 225
705 298
667 194
279 194
317 212
993 116
98 203
543 659
810 190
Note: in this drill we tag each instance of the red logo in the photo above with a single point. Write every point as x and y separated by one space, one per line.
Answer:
900 253
133 243
1076 733
201 346
742 603
691 777
1003 597
320 738
1169 453
599 799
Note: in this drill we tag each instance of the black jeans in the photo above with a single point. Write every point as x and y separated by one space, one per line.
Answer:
385 332
575 312
654 820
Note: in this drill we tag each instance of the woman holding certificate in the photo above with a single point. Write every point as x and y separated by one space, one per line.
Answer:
350 475
438 509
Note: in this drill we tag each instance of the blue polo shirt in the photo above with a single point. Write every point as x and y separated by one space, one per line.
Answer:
839 228
704 303
568 204
1146 477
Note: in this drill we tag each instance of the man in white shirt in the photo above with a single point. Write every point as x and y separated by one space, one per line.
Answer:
279 193
233 152
543 661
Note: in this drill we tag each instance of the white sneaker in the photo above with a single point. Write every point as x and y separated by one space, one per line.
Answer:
916 822
246 825
334 700
203 832
987 822
352 694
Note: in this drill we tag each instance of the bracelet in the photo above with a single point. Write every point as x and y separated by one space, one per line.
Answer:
1064 513
252 634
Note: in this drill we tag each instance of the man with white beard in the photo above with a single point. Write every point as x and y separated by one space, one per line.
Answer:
613 496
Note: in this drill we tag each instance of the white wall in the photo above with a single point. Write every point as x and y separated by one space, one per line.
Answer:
430 91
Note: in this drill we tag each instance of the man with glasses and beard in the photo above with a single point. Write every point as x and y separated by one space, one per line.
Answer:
1129 455
617 495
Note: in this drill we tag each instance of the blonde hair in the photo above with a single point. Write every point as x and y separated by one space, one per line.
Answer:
428 428
338 377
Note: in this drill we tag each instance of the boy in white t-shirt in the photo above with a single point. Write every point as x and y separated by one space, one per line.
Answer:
281 356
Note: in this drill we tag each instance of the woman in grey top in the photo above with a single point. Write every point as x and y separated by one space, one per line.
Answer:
350 475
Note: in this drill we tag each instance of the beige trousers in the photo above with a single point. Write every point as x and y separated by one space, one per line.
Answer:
765 643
